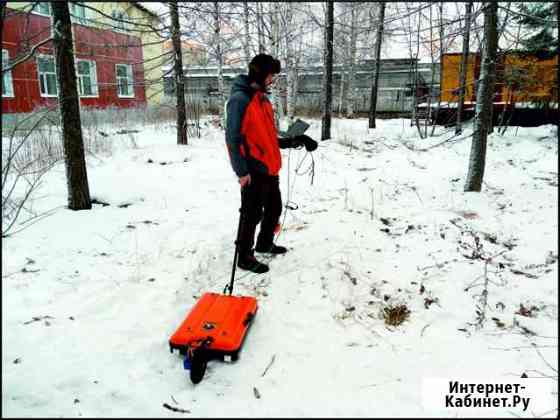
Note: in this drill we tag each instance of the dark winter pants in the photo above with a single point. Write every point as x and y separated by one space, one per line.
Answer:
260 199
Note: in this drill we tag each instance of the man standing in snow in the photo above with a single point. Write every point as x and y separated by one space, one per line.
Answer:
254 151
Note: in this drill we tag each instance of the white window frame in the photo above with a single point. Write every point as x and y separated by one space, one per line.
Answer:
116 25
47 95
92 75
129 76
49 15
82 20
6 62
37 12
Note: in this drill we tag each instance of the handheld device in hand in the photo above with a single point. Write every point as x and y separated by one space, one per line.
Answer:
297 128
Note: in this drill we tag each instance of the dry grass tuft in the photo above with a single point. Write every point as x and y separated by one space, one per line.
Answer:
395 315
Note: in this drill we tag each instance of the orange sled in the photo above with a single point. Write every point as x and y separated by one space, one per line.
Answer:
215 328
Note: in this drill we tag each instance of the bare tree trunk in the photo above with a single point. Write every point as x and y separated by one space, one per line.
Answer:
342 91
433 64
260 29
558 71
415 95
290 63
351 73
441 51
275 25
342 41
464 66
327 77
484 99
219 56
247 44
375 85
69 103
179 77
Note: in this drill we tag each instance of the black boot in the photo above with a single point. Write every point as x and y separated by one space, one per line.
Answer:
250 263
271 249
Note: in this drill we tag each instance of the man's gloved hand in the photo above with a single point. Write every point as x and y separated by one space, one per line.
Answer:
307 141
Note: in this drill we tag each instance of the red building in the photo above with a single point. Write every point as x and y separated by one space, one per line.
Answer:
109 63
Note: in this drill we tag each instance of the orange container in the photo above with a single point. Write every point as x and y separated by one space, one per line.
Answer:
217 322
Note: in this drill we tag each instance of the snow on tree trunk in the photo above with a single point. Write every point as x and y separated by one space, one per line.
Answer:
178 72
484 100
327 74
464 63
352 60
69 103
375 85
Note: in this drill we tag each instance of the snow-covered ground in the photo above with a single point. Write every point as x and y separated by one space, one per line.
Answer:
90 298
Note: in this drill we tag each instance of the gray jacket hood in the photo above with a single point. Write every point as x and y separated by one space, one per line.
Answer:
242 84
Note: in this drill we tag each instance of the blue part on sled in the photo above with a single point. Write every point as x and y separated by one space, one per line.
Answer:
187 363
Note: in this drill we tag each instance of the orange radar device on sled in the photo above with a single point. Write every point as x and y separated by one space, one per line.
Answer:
215 328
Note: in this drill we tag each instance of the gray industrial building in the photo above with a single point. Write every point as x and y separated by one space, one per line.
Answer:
395 94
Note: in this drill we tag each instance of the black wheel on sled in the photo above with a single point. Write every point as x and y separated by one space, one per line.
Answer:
198 365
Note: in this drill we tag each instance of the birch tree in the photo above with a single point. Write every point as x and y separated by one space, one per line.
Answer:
291 60
341 54
484 99
433 65
375 84
408 29
416 77
219 55
260 28
352 59
275 49
442 50
247 31
352 30
464 64
69 103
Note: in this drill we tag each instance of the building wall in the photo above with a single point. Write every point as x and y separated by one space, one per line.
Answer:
529 78
150 43
152 48
395 92
520 78
25 79
452 73
95 41
193 53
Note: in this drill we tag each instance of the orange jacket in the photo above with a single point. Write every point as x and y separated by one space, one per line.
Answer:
259 131
251 136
